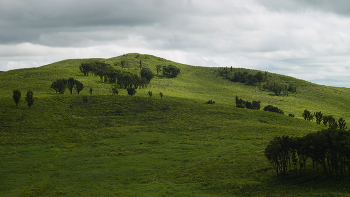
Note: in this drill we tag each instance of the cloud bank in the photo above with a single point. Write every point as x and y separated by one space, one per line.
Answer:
306 39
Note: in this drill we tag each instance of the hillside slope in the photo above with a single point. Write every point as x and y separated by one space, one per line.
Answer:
140 146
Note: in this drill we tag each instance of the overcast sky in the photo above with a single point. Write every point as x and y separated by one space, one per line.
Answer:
306 39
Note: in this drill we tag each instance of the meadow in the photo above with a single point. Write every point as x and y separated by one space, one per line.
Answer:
147 146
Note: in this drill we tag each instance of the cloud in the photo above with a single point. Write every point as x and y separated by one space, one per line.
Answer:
288 37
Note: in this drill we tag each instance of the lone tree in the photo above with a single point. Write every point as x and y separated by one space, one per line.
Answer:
30 99
16 97
161 95
131 91
150 94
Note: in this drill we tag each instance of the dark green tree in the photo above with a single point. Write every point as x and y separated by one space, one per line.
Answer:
90 91
78 86
318 116
161 95
272 108
59 85
16 97
342 124
147 74
150 94
30 99
70 84
131 91
170 71
307 115
256 105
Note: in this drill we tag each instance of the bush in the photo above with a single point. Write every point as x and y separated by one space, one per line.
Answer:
210 102
272 108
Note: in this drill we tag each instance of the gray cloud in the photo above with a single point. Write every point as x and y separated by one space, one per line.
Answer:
309 39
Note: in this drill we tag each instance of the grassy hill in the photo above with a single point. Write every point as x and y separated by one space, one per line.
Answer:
141 146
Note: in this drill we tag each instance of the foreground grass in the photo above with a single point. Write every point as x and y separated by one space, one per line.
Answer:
134 146
141 146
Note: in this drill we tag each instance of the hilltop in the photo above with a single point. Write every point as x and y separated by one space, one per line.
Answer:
136 145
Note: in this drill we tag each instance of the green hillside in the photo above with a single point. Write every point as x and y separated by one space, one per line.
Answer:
140 146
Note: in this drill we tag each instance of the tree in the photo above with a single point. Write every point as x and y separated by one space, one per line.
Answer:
78 86
16 97
342 124
30 99
307 115
256 105
158 67
170 71
70 84
59 85
150 94
147 74
318 116
131 91
161 95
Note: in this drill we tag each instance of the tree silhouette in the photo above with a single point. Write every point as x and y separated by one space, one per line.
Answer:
30 99
16 97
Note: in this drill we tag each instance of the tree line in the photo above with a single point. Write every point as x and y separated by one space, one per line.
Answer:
258 79
327 120
240 103
326 151
60 85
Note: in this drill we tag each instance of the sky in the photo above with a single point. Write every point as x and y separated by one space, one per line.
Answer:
306 39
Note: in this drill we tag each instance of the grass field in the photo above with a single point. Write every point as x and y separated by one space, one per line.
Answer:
141 146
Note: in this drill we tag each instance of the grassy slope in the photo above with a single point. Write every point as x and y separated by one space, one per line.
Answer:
140 146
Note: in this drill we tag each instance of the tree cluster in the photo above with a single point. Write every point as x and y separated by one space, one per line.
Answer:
279 88
243 77
328 149
327 120
60 85
240 103
272 108
170 71
109 74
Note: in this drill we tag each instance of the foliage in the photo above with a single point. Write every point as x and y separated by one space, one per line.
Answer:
131 91
170 71
59 85
29 98
243 77
307 115
146 73
319 117
161 95
240 103
210 102
329 149
272 108
150 93
16 97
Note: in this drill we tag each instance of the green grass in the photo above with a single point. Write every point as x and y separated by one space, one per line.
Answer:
141 146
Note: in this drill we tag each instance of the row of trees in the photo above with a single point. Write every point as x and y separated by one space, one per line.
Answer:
256 105
243 77
247 104
29 98
279 88
60 85
327 120
328 149
109 74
